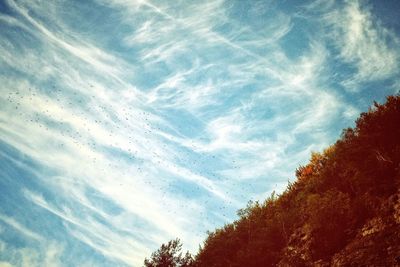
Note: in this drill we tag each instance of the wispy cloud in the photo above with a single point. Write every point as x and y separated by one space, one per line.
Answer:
165 118
45 253
20 228
364 42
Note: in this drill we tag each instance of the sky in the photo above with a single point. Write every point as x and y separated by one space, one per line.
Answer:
127 123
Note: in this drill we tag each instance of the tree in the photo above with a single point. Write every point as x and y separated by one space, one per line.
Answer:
322 213
169 255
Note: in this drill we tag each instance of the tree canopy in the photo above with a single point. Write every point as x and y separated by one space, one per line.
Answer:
169 255
334 196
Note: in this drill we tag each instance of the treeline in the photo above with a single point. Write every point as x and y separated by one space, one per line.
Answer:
334 196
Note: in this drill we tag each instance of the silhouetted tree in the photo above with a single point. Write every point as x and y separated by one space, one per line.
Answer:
169 255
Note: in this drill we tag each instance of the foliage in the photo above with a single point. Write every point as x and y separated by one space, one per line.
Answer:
333 196
169 255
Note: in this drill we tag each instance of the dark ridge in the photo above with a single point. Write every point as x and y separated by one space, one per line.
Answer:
343 209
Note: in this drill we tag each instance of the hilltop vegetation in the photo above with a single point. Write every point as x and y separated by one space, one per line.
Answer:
343 209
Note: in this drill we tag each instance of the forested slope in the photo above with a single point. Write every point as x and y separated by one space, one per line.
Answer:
343 209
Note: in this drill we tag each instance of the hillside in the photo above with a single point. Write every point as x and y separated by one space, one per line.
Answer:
343 209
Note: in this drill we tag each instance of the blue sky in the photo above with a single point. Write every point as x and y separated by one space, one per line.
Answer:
124 124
